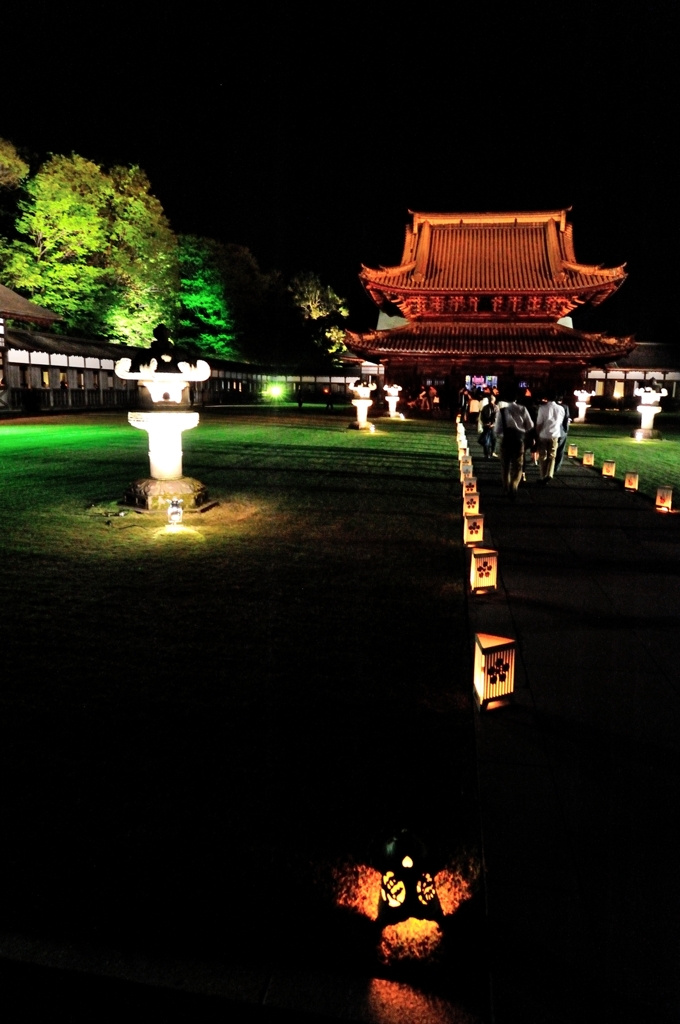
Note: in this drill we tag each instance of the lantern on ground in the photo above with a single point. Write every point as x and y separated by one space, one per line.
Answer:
465 473
175 512
463 452
466 461
407 888
638 435
572 451
470 485
473 529
664 499
483 570
608 467
589 458
630 481
470 503
494 669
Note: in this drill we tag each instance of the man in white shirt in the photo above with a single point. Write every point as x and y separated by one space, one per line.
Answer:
548 425
512 423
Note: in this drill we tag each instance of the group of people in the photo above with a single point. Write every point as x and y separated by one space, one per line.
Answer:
521 427
427 400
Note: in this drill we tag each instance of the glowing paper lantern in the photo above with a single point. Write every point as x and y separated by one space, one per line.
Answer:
470 485
638 435
407 888
175 511
572 451
473 528
466 461
494 668
664 499
588 458
465 473
483 570
471 503
608 467
630 481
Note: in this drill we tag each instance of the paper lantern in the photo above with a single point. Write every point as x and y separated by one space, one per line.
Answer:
407 886
608 467
473 528
465 473
572 451
664 499
470 485
494 669
466 460
470 504
483 570
589 458
630 481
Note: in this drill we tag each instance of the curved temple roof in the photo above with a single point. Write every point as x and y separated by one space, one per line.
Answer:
472 339
491 253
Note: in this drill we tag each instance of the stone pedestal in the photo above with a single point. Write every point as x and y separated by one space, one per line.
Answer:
156 495
362 406
646 434
165 462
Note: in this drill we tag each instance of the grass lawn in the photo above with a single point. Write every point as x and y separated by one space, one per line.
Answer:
198 726
657 462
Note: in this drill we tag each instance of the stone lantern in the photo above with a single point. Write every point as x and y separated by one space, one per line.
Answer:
648 408
392 397
582 403
164 414
362 404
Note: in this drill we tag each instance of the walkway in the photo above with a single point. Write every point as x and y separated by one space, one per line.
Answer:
579 779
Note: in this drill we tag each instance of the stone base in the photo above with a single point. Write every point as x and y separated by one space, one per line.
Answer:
647 435
369 427
156 495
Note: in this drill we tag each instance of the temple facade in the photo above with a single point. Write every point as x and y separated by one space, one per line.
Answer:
488 297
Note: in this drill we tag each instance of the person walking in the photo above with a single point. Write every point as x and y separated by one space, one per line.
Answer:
564 433
487 418
548 424
473 408
511 425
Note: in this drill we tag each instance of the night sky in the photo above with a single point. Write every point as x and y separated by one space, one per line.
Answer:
308 137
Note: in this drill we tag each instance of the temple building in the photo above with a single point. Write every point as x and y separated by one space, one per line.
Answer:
487 297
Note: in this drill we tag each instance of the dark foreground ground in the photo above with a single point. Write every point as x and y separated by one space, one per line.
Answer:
198 730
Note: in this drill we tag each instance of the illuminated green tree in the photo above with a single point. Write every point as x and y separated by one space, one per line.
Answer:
205 319
141 260
59 257
96 248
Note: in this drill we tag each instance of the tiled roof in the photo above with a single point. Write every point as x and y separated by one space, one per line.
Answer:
495 340
35 341
491 254
15 307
